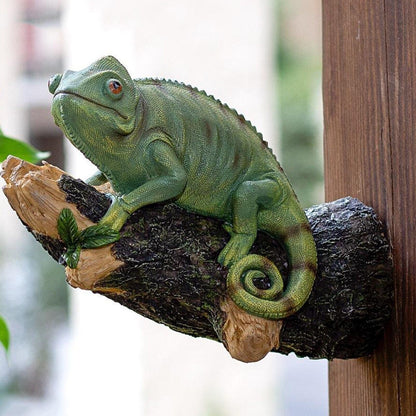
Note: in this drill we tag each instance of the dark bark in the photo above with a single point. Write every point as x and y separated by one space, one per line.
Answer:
171 275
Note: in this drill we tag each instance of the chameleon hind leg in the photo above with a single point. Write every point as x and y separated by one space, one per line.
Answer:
249 197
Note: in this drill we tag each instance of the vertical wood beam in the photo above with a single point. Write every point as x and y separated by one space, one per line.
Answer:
369 80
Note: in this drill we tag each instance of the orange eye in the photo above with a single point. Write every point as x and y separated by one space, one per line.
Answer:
115 86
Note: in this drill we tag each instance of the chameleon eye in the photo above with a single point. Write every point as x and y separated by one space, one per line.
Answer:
115 86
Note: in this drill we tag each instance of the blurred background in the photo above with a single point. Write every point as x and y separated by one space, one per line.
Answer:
74 353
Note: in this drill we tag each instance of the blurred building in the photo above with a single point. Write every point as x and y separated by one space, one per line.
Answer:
33 294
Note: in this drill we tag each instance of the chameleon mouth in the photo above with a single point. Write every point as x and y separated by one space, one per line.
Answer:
90 101
60 119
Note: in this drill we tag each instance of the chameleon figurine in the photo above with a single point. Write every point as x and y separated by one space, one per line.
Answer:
156 140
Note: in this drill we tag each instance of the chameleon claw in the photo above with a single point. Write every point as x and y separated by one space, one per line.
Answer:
228 228
116 215
237 248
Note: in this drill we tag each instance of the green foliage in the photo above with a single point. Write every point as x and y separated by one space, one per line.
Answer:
75 240
97 236
71 256
299 72
67 227
4 334
9 146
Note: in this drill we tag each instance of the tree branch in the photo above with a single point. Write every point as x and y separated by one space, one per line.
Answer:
165 268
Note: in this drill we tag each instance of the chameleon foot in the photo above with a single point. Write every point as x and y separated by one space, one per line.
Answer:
237 248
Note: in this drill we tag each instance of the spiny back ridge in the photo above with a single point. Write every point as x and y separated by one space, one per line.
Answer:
159 81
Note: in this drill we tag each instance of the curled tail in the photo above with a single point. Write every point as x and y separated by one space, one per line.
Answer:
275 302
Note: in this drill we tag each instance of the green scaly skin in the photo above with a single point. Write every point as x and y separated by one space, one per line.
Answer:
157 140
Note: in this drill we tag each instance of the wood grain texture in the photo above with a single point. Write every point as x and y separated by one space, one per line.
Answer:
369 106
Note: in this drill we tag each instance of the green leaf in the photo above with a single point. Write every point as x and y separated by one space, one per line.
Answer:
68 228
25 151
92 237
71 256
4 334
97 236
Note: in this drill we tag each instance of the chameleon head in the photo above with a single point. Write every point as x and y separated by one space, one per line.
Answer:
96 106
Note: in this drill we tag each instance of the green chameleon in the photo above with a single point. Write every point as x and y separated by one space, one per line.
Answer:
156 140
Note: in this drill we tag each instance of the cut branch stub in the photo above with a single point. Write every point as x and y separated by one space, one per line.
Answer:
165 267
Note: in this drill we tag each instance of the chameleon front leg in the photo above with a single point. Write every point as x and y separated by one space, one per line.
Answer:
167 180
97 179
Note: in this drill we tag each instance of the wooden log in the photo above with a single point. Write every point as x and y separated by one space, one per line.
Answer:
369 112
165 267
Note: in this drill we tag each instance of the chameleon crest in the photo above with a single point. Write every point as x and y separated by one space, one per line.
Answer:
157 140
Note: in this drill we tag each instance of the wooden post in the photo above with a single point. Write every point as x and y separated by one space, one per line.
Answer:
369 87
